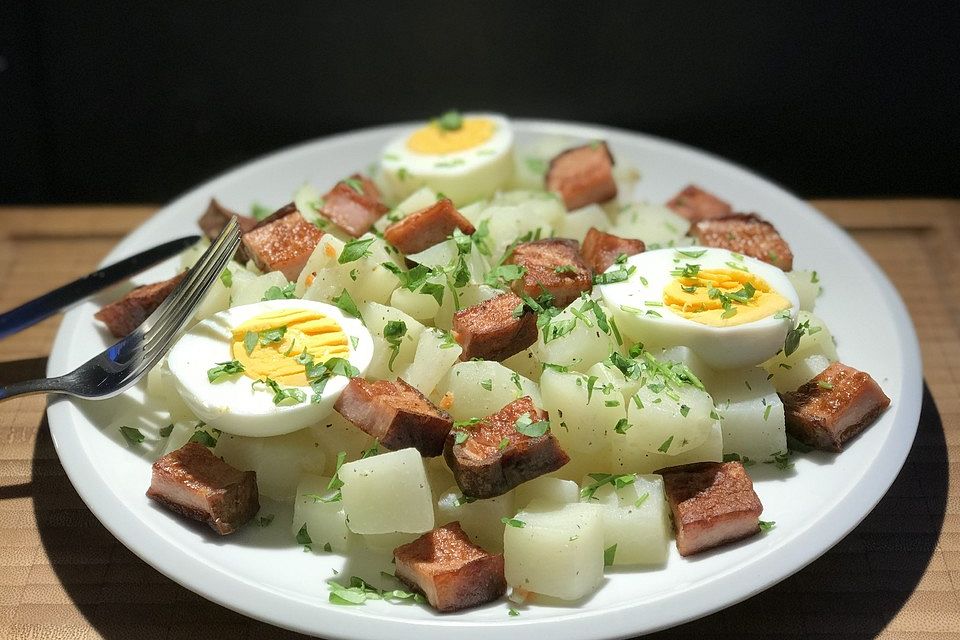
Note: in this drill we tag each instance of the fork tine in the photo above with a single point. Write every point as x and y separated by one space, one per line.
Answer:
184 301
168 308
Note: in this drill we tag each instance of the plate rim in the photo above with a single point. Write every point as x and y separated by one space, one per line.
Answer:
274 608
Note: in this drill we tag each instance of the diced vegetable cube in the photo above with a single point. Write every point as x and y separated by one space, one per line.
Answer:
752 414
323 520
635 518
387 493
555 550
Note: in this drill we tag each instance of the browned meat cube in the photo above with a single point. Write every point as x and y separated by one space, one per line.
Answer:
600 250
582 175
553 266
283 244
452 572
126 314
835 406
713 503
490 331
427 227
396 414
353 205
216 217
694 204
242 254
197 484
748 234
495 457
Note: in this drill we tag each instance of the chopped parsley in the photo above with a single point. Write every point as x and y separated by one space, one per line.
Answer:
303 537
280 293
766 526
608 555
280 395
792 340
202 436
346 304
355 249
166 431
528 427
353 183
504 274
600 479
450 120
393 333
226 277
360 591
224 370
513 522
536 165
259 211
131 435
663 448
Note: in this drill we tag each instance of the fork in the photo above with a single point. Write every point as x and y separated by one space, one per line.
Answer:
123 364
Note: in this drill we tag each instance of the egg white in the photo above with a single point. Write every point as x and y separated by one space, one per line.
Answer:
233 404
463 176
657 327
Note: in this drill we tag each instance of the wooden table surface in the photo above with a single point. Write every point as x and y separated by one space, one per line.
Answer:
897 575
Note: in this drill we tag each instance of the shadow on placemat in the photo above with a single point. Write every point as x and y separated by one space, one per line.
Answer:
854 590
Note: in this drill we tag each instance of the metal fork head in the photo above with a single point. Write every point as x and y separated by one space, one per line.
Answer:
124 363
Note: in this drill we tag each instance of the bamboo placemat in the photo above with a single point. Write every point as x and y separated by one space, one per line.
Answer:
897 575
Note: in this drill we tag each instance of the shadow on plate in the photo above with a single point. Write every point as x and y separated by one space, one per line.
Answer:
854 590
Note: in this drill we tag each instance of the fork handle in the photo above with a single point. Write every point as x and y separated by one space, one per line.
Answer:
31 387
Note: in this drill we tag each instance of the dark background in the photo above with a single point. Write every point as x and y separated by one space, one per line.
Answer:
137 101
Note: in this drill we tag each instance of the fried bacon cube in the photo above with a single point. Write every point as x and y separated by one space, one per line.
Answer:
126 314
553 266
694 204
713 504
834 407
748 234
353 205
490 330
396 414
451 571
282 244
195 483
582 175
427 227
600 249
216 217
493 457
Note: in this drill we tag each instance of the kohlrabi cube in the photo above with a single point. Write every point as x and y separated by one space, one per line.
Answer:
555 549
387 493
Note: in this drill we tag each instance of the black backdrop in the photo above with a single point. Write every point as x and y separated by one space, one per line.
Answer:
137 101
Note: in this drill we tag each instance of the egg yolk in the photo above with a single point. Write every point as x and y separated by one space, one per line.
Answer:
722 297
281 337
435 140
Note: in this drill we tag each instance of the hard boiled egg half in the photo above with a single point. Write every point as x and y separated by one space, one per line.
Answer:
732 310
269 368
466 157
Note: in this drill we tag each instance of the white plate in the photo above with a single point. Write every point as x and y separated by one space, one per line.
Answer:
262 573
